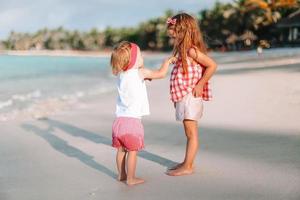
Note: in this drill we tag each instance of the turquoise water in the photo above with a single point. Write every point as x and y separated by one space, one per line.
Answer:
51 75
29 80
29 84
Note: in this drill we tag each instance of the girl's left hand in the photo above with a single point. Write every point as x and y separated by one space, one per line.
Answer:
172 60
198 90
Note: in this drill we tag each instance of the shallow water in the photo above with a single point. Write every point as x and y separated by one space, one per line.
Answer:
29 83
35 86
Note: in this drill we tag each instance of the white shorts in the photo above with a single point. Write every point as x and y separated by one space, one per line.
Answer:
189 107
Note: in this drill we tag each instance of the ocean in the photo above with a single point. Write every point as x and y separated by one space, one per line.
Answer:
36 86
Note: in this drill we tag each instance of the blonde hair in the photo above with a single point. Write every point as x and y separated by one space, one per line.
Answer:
188 35
120 57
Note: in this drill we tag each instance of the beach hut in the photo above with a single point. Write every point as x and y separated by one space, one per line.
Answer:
289 29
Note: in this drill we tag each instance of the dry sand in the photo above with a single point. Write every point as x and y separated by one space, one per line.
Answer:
249 135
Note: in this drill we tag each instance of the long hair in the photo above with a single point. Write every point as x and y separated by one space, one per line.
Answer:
188 35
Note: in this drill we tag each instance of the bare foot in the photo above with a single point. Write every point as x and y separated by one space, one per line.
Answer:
181 171
134 181
122 177
175 166
178 166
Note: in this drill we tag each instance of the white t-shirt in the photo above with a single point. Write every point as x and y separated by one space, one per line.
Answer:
132 95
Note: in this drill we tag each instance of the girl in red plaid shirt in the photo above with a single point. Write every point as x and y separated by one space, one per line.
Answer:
189 83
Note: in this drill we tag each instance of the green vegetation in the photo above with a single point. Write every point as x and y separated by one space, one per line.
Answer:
238 25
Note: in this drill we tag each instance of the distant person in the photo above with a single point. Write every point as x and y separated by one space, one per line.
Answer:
189 83
132 103
259 50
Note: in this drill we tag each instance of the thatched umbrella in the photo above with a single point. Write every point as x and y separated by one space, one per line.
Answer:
248 37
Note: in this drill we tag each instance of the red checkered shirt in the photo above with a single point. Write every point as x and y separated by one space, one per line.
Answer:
181 85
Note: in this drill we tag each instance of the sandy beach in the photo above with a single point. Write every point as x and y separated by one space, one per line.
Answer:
249 136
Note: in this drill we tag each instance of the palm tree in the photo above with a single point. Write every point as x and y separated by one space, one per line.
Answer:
270 9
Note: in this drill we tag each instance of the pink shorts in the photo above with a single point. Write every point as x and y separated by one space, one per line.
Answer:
128 132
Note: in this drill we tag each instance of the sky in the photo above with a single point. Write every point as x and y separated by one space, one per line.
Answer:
32 15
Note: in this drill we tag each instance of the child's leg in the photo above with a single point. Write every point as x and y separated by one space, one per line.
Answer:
131 166
121 162
191 131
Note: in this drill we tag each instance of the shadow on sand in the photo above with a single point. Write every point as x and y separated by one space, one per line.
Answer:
266 146
63 147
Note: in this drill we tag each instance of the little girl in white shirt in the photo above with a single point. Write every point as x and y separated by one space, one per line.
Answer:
132 104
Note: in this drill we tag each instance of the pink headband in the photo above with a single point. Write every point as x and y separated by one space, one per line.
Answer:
133 56
171 21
